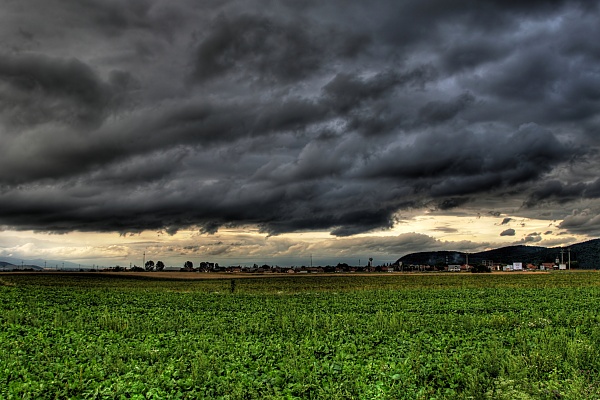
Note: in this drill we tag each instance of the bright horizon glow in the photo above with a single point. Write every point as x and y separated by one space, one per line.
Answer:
246 246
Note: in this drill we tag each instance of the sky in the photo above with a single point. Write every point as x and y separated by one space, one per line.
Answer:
259 131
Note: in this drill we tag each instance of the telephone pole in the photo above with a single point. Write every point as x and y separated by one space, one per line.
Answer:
562 253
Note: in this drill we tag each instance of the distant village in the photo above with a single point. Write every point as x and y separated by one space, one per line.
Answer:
483 266
399 267
209 267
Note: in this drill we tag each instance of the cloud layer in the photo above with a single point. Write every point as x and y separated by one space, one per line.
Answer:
296 115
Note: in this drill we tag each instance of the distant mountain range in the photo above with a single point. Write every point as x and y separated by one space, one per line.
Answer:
17 263
584 255
8 266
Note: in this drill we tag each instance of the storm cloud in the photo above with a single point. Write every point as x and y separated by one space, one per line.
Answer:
296 116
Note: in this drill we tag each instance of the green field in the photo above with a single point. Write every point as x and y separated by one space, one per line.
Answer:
438 336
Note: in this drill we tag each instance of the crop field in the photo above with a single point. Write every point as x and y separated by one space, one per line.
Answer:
394 336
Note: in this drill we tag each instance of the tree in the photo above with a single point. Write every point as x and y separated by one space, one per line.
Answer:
480 268
188 265
149 265
160 266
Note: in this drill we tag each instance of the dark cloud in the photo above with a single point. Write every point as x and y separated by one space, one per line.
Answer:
40 89
257 45
446 229
347 91
508 232
401 244
556 191
270 49
463 163
448 204
437 111
582 221
533 237
529 77
471 53
294 116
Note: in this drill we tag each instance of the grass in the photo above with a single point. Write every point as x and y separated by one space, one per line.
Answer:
460 336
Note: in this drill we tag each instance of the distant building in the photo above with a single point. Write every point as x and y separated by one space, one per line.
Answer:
517 266
547 266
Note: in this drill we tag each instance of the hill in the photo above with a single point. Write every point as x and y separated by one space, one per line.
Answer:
4 264
8 266
17 263
584 255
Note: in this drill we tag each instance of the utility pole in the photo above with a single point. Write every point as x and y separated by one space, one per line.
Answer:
562 253
569 249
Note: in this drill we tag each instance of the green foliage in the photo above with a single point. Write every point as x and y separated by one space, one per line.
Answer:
479 268
461 336
149 266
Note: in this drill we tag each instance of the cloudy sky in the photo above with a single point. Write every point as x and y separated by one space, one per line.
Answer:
266 131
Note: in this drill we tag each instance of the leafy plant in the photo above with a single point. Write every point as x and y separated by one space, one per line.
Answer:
391 337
